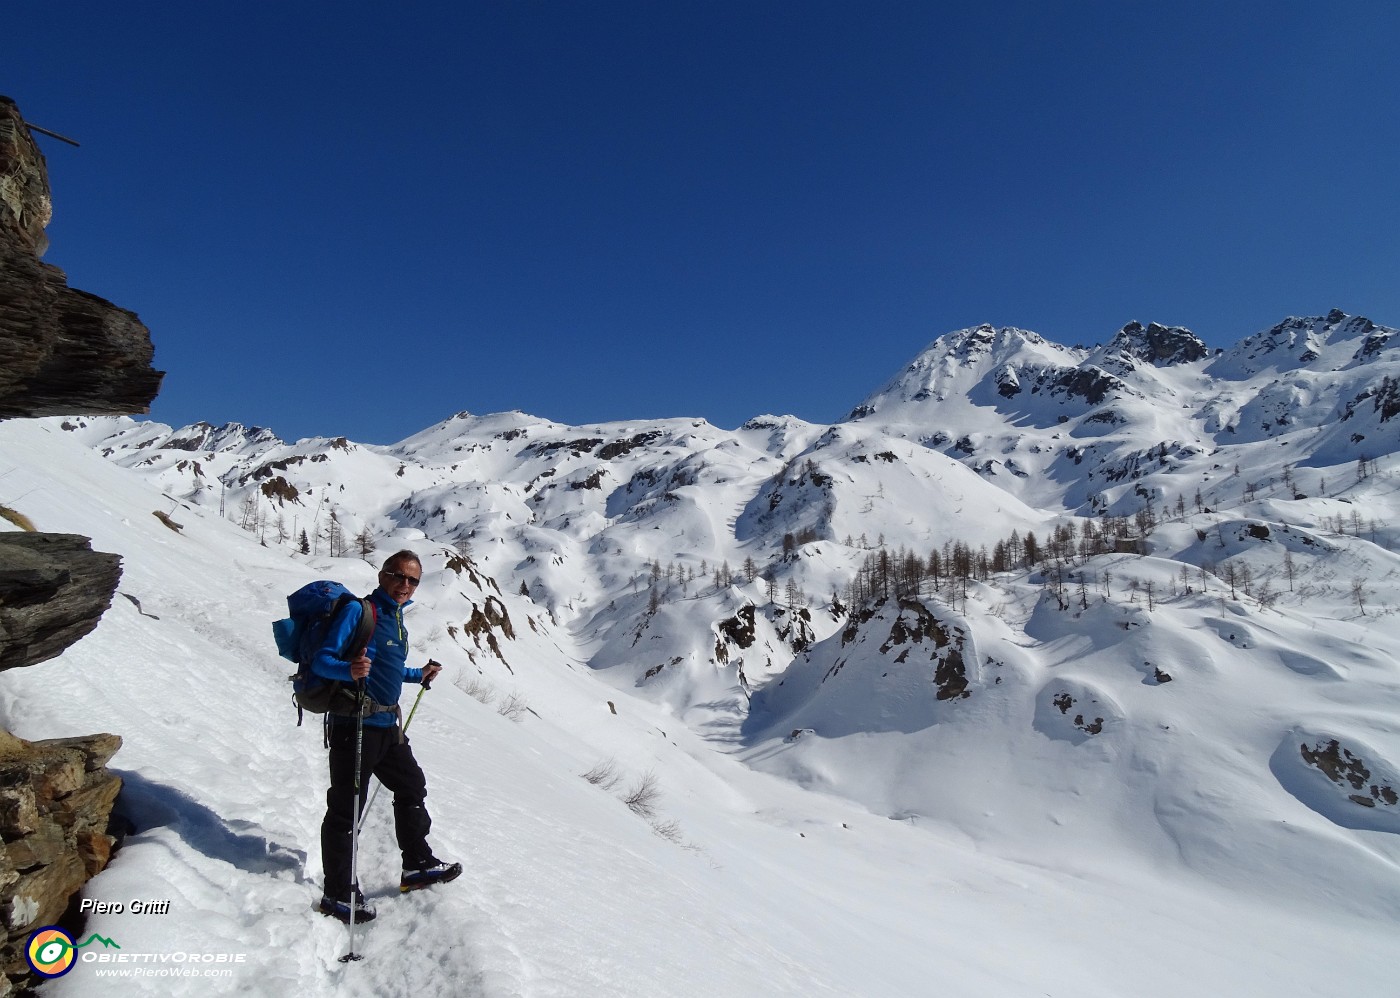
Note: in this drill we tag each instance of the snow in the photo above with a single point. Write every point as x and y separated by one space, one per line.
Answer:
841 820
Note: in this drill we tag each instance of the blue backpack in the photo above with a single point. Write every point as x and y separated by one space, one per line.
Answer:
313 608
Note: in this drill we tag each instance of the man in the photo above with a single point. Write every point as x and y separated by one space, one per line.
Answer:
383 752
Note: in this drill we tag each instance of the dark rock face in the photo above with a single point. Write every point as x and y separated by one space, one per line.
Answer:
65 352
62 351
1092 384
917 624
53 590
739 630
1160 345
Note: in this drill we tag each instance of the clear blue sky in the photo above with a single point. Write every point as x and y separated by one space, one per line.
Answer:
360 218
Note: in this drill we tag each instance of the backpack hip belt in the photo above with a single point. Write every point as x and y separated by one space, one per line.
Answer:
344 705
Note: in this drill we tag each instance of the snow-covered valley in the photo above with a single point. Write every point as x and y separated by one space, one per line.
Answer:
1050 671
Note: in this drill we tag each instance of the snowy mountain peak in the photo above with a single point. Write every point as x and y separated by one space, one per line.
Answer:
203 436
1327 343
951 364
969 344
978 345
1158 345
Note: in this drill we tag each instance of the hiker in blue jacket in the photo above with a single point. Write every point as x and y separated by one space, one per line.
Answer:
384 751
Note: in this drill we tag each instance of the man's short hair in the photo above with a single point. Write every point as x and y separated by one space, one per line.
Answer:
397 559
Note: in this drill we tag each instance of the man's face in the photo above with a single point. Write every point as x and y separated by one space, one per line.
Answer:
400 579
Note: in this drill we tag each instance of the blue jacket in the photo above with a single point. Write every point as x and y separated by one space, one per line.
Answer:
387 652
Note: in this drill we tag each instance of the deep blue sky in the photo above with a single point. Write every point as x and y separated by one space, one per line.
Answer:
360 218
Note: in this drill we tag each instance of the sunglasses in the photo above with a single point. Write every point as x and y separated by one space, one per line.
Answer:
400 577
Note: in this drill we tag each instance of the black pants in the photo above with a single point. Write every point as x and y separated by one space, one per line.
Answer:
383 756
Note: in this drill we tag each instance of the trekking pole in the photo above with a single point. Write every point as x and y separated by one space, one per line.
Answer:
413 710
355 828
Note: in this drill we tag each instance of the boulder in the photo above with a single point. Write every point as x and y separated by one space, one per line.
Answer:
53 590
56 800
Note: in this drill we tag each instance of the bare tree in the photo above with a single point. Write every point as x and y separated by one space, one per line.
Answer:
364 543
335 536
604 775
1358 593
248 513
513 707
644 796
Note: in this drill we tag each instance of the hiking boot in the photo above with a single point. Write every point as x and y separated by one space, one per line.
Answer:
438 873
341 909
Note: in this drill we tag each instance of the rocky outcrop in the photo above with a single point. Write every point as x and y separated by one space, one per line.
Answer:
62 352
53 590
1162 346
24 183
55 800
916 624
1349 770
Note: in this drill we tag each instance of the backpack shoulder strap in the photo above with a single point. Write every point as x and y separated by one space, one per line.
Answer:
369 618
